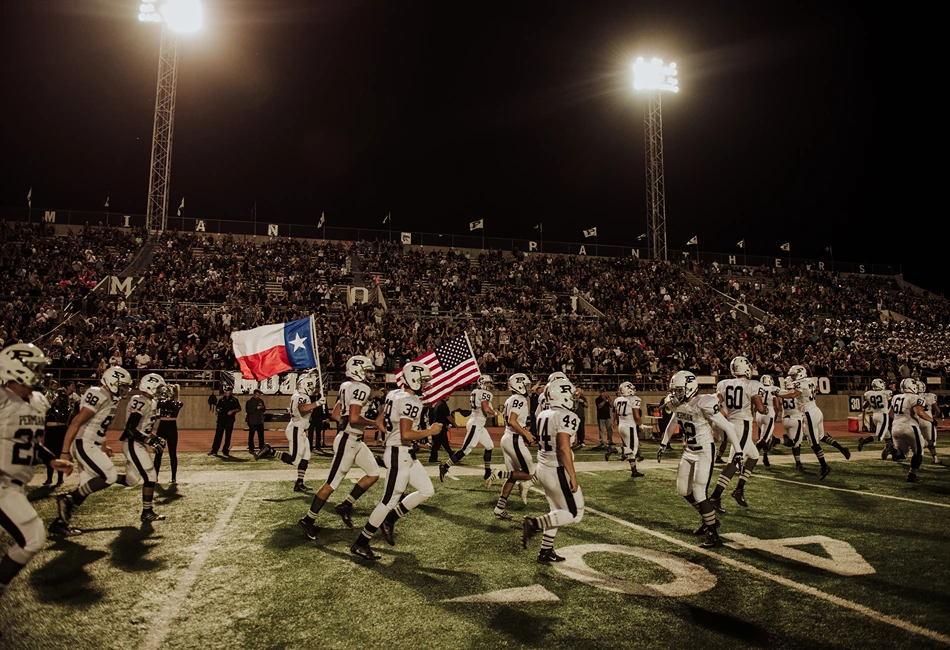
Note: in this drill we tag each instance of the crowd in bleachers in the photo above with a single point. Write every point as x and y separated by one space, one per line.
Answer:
533 313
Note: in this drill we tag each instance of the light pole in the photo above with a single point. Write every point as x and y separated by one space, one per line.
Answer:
175 16
654 77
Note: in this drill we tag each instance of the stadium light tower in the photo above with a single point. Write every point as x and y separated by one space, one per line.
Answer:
175 16
654 77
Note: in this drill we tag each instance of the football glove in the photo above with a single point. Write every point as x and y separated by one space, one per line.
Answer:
157 443
659 454
737 460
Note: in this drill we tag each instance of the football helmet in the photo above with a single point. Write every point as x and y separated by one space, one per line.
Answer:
153 384
116 380
554 376
518 383
878 384
23 363
797 372
767 380
740 367
921 387
484 382
560 392
416 376
307 384
358 368
683 385
909 385
627 389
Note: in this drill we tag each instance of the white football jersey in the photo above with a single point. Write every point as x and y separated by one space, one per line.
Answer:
542 405
808 388
737 394
400 405
903 405
102 404
695 419
145 407
352 392
21 425
550 423
478 415
518 405
298 420
625 406
768 393
878 400
929 400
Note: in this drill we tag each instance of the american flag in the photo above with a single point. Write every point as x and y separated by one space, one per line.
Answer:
451 364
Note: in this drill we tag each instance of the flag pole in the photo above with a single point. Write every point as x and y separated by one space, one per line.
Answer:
254 211
541 231
316 354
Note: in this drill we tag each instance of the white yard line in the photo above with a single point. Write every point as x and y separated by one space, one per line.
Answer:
161 626
811 591
864 494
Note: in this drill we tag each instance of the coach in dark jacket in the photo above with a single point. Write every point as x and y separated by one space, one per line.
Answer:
254 415
227 407
440 415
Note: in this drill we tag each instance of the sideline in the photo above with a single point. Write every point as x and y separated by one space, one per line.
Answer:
161 625
864 494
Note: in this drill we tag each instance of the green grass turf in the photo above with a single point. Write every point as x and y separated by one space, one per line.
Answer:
263 585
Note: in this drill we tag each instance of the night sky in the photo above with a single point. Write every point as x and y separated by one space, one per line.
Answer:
442 113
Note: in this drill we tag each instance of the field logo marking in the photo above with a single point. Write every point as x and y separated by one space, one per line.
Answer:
844 560
530 594
690 579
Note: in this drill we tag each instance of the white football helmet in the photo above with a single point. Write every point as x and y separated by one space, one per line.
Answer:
23 363
797 372
152 383
627 389
484 382
358 368
554 376
416 376
878 384
910 386
683 385
921 387
767 380
307 384
117 380
518 383
560 392
740 367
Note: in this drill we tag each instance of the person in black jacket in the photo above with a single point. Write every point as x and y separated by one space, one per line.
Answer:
168 408
440 415
254 416
227 407
57 417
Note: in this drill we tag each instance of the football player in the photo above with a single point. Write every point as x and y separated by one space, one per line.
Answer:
878 399
141 415
740 396
22 421
908 412
627 419
348 446
696 415
765 422
557 428
933 410
301 403
793 421
804 389
477 433
514 445
86 445
399 420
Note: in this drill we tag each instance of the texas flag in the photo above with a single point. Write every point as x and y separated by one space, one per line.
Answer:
272 349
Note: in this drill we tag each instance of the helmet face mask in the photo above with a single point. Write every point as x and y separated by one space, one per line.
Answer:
740 367
518 383
559 393
152 384
416 376
25 364
484 382
767 380
117 381
359 368
307 384
878 384
797 372
683 385
627 389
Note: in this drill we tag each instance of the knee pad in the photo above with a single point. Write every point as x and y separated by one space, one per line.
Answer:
131 480
111 475
303 465
34 535
427 491
148 484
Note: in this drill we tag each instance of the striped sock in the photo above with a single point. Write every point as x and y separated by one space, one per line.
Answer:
368 531
544 522
547 542
146 502
820 454
504 474
502 504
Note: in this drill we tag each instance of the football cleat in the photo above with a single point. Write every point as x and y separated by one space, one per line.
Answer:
548 555
263 451
719 460
739 495
863 441
765 459
151 515
65 506
634 473
443 470
389 532
310 530
712 540
610 452
912 478
60 527
362 549
717 505
503 514
800 467
524 487
846 453
300 487
528 530
345 510
639 457
701 530
489 480
825 471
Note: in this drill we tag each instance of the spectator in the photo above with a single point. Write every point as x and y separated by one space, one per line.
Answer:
254 415
227 407
604 417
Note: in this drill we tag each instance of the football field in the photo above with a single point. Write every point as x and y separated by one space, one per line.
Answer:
859 560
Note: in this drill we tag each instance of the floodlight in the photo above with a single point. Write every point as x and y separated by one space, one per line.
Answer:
654 75
179 15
